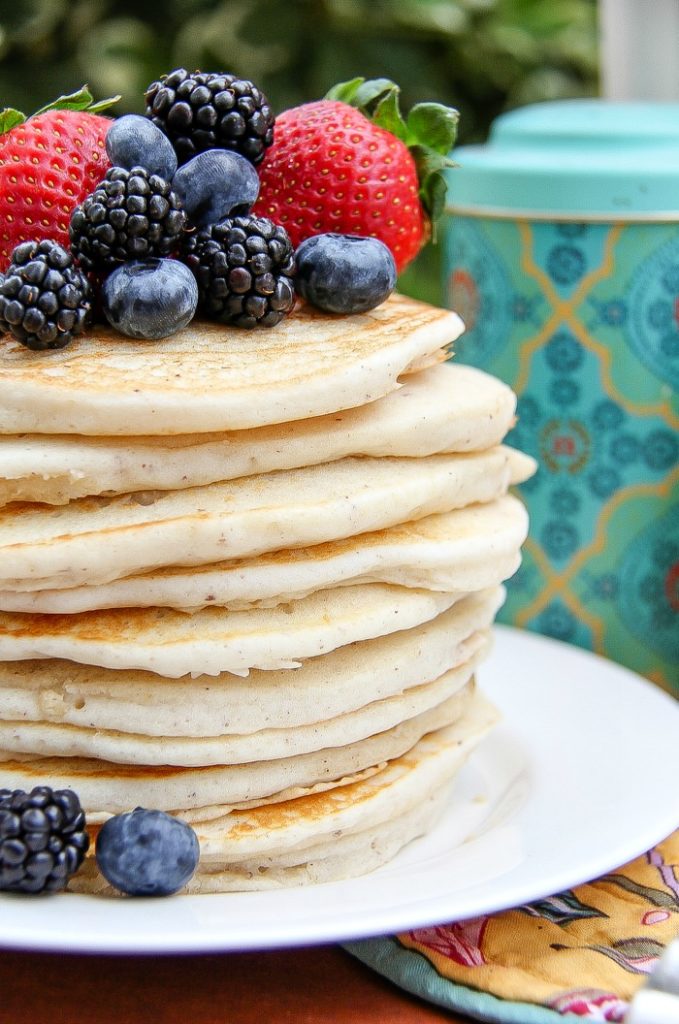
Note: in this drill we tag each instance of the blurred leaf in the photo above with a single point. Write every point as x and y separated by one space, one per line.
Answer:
28 21
249 39
116 58
422 279
441 18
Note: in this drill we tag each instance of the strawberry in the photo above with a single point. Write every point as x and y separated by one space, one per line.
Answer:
351 164
48 164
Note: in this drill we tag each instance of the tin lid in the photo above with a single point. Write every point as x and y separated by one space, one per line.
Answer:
575 158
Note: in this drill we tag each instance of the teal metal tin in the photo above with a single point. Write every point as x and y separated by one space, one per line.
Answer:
576 306
575 158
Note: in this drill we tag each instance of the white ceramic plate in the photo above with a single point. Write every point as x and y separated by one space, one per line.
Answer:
579 778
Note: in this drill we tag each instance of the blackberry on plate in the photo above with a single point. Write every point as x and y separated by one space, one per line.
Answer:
131 215
211 110
45 300
244 267
42 839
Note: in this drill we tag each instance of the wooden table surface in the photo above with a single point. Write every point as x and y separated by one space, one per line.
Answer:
316 985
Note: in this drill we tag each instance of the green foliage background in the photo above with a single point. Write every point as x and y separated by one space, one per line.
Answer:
481 56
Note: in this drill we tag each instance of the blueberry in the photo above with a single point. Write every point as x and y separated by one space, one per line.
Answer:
147 853
151 298
134 141
216 184
344 273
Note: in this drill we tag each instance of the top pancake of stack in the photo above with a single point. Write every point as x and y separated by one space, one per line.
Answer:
214 378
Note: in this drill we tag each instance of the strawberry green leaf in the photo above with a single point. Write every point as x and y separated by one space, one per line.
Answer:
9 119
430 167
96 108
377 98
361 93
80 100
344 92
429 162
371 92
433 197
433 125
388 115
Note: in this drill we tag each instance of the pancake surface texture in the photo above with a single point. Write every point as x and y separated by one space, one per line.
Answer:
338 682
209 377
108 787
97 540
215 640
446 408
467 549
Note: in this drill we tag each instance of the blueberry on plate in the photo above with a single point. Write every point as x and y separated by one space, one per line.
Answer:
216 184
150 299
134 141
344 273
147 853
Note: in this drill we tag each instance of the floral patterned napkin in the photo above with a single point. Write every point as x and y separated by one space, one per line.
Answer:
584 952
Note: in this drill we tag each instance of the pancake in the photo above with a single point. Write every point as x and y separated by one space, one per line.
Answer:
468 549
58 740
215 640
106 787
95 540
336 683
447 408
346 856
209 377
345 831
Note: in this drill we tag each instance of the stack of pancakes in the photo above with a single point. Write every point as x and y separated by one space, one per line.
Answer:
247 578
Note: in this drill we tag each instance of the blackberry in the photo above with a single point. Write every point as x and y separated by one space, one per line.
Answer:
244 267
209 110
45 300
42 839
131 215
